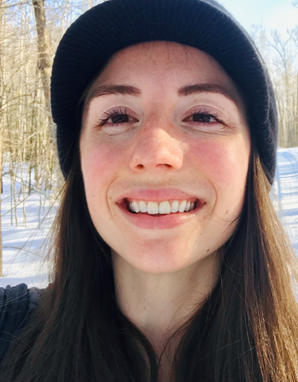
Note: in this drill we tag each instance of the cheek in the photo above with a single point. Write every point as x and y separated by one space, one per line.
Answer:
223 162
99 166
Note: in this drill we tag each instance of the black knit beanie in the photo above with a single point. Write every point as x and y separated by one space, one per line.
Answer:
115 24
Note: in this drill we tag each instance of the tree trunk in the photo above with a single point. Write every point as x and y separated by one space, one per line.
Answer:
1 145
43 63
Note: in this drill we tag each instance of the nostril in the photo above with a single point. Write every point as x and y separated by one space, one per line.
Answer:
164 165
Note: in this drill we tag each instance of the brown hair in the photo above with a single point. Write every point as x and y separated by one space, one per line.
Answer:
245 331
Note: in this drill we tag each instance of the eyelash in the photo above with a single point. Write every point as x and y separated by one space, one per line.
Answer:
123 111
205 113
113 113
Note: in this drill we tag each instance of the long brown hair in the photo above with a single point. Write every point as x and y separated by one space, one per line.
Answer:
247 329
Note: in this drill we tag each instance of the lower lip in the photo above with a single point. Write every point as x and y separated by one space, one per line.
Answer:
144 220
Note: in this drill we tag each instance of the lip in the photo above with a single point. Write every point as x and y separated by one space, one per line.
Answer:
167 221
157 195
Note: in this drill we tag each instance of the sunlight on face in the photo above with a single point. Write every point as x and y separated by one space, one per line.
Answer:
164 132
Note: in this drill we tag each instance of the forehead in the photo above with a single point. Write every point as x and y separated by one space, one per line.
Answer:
164 64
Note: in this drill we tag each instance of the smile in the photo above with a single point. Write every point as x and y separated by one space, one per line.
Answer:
160 214
164 207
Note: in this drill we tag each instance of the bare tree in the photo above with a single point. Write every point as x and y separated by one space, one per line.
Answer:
43 64
1 144
281 54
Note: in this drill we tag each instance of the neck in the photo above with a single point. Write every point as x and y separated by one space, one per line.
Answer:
159 304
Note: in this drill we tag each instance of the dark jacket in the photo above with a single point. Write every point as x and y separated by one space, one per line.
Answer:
16 305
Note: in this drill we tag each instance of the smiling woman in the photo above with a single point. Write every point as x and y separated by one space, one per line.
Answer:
191 147
170 262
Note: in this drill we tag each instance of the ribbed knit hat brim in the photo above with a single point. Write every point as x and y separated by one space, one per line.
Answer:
115 24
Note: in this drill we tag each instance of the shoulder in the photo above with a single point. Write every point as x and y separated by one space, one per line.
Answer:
16 305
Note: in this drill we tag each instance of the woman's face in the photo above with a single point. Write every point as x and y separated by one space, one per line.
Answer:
164 127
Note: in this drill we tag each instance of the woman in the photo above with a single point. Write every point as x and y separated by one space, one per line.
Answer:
170 262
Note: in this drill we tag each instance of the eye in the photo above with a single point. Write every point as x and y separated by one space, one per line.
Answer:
117 116
202 117
205 119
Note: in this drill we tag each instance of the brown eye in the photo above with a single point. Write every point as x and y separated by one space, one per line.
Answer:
116 116
204 118
120 118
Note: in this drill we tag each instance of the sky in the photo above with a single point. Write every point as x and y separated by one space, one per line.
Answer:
272 14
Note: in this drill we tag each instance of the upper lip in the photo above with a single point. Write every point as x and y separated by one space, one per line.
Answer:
157 195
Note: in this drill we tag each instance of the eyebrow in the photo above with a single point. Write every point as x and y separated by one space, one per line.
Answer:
112 89
183 91
205 88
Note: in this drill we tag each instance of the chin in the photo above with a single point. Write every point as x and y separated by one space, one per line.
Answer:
161 259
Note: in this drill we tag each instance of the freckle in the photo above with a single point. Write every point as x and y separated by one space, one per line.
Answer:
208 250
227 212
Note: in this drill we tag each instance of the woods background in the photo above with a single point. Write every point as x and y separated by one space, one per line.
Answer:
29 34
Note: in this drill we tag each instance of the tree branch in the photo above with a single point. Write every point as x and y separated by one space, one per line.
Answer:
14 5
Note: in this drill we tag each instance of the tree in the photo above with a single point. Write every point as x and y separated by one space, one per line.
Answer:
280 54
43 64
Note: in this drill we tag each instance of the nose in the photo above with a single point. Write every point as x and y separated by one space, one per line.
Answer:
156 148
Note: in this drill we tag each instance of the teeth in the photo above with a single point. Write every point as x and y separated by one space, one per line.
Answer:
187 206
182 206
143 206
134 206
175 206
152 208
163 208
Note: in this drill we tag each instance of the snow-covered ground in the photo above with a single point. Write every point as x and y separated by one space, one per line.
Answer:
24 246
286 190
25 234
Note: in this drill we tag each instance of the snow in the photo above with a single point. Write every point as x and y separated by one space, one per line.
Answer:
25 234
285 189
25 240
